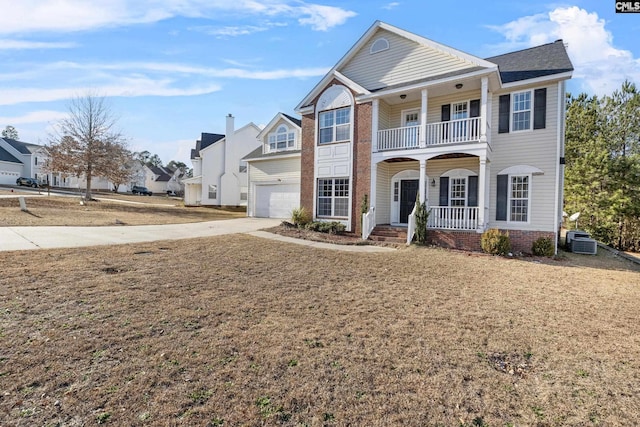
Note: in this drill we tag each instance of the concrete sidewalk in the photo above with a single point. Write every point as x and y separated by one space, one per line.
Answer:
24 238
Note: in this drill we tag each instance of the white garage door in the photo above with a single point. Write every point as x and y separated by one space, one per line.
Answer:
276 201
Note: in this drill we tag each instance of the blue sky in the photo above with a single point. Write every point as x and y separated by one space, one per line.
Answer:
175 68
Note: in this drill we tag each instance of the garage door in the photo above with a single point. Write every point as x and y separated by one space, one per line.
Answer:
276 201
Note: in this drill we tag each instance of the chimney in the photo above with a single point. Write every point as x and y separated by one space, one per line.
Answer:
230 126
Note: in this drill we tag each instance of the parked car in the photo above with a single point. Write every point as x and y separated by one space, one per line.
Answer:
29 182
143 191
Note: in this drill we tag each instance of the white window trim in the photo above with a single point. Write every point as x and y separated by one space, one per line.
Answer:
465 179
288 132
380 44
459 173
510 198
334 126
333 197
512 111
409 111
405 175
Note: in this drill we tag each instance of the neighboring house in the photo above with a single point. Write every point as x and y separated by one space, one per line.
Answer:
219 173
18 158
481 140
162 180
274 169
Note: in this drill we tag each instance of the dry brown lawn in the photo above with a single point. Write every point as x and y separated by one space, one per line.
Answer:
56 210
240 331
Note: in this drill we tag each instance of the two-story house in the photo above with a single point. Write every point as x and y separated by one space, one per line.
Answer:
219 171
18 158
274 169
401 116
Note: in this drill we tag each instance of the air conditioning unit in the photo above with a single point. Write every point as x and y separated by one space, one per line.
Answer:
582 245
575 234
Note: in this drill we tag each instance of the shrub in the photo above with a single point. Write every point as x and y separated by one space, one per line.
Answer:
495 242
300 217
422 216
333 227
543 247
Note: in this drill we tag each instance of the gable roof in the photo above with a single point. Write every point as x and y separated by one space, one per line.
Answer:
257 154
22 147
280 116
470 60
5 156
534 62
162 174
206 139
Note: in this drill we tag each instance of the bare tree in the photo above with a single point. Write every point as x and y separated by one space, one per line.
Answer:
86 143
10 132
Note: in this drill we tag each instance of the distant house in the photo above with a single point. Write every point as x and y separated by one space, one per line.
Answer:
401 117
219 171
161 179
18 158
274 169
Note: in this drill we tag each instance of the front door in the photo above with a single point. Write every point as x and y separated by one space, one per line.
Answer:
408 193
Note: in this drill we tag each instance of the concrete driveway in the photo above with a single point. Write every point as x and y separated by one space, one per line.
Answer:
24 238
21 238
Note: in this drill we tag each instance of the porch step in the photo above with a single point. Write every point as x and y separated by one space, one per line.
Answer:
389 234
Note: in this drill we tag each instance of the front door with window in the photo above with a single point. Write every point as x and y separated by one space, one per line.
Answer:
408 193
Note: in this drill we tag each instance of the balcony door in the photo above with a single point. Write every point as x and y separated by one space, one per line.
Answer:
459 129
411 119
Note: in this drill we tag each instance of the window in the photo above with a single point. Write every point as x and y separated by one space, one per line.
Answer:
521 118
213 191
333 197
396 191
243 194
242 168
519 198
458 195
282 139
379 45
335 126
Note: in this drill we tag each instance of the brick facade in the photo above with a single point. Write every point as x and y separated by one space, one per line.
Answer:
307 159
521 240
361 183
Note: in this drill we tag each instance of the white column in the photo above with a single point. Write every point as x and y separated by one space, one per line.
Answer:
483 108
374 177
423 120
483 193
421 183
374 125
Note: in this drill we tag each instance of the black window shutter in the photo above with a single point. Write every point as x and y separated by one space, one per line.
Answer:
472 198
540 108
503 114
445 117
502 196
474 108
446 113
444 191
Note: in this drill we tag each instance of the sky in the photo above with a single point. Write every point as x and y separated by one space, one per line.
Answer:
172 69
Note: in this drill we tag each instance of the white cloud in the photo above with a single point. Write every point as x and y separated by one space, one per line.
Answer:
6 44
391 5
322 18
26 16
43 116
126 87
598 63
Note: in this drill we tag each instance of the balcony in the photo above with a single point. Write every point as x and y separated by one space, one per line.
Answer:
459 131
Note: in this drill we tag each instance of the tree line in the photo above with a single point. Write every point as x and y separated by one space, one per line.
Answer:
602 176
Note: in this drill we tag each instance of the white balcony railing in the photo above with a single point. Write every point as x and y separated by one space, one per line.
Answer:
440 133
453 218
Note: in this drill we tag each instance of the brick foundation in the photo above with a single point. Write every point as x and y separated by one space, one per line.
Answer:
465 240
521 240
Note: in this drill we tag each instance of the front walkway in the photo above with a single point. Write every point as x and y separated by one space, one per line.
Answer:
24 238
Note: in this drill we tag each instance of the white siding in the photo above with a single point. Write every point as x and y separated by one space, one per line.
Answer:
404 61
9 172
436 168
275 171
534 148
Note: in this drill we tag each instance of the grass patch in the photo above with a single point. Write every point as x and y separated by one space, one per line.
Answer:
212 331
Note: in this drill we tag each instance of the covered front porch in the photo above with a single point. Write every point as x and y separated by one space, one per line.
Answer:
454 186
